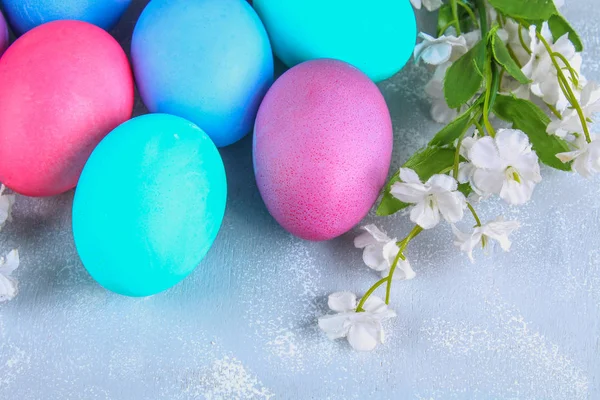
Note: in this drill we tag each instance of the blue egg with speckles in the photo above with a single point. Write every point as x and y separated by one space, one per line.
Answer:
25 15
377 37
208 61
149 204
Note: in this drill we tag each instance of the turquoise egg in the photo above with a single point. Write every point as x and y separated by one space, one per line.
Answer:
149 204
377 37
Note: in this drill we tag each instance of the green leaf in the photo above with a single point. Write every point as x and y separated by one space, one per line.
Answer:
426 163
445 17
559 26
526 9
502 56
456 128
464 77
465 188
529 118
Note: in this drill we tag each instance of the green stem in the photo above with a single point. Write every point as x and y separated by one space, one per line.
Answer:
445 28
469 11
567 88
489 77
554 111
404 243
474 214
380 282
527 49
455 16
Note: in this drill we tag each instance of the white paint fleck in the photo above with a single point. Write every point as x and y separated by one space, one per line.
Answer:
225 379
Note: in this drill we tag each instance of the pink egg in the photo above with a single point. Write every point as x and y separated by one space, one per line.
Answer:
322 148
64 86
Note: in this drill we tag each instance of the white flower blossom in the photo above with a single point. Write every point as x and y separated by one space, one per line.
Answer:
586 156
6 203
439 195
540 68
8 285
505 165
430 5
497 230
437 51
513 39
363 329
380 252
589 100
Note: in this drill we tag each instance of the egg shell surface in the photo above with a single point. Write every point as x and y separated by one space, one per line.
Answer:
25 15
3 34
149 204
378 37
208 61
322 148
65 85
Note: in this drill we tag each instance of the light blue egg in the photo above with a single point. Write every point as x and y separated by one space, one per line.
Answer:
24 15
149 204
208 61
378 37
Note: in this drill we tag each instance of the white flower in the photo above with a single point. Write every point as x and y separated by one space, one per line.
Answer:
439 195
513 40
505 165
541 70
380 252
586 156
430 5
363 329
437 51
6 203
8 285
497 230
440 112
571 123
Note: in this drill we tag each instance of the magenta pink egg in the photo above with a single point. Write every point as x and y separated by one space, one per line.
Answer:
64 86
322 148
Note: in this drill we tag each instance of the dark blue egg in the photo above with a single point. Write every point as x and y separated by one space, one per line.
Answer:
208 61
25 15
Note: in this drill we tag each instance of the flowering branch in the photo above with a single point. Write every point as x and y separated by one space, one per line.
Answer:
520 57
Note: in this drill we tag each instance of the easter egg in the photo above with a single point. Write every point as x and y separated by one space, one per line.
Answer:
65 85
25 15
3 34
322 148
378 37
149 204
208 61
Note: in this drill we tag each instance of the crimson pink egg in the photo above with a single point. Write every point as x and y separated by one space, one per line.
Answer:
64 86
322 148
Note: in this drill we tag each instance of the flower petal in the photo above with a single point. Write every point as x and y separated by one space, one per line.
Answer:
375 304
8 288
511 144
440 183
374 258
9 263
499 230
342 301
451 205
373 235
437 53
409 192
335 326
403 271
467 242
364 336
408 175
484 154
424 215
516 193
488 181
